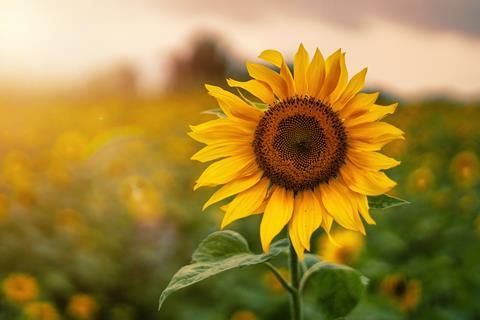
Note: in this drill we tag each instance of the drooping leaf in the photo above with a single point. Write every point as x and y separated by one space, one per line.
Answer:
385 201
219 252
336 289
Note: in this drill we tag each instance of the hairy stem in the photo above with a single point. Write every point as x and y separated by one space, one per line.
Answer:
295 302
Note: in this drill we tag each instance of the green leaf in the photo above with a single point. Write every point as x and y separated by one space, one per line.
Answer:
216 112
385 201
261 106
219 252
336 289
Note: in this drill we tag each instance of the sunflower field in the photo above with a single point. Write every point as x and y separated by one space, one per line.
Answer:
97 211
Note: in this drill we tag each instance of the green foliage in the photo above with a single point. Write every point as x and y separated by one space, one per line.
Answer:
219 252
385 201
336 289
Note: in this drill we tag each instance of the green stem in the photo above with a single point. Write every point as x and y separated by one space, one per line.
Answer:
295 302
280 278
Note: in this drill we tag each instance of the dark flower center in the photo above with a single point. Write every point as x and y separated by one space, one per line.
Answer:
300 142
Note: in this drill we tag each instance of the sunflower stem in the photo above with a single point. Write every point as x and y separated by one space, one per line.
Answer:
295 302
280 278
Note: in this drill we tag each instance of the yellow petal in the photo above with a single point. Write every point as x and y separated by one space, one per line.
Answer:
220 150
246 202
375 132
225 170
359 104
300 67
354 86
333 72
272 56
338 205
363 181
341 82
233 106
371 160
361 201
277 214
273 79
376 112
295 240
316 74
222 130
307 216
276 58
256 88
233 187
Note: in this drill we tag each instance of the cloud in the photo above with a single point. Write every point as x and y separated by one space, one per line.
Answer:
458 16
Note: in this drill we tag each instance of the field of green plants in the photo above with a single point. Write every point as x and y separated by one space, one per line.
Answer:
97 212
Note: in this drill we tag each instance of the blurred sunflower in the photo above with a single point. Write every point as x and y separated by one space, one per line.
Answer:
402 292
20 288
82 307
305 157
244 315
40 311
346 248
464 169
272 283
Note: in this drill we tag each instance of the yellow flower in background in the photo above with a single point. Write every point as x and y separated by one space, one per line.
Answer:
404 293
272 282
4 205
69 220
421 179
41 311
244 315
464 169
70 146
141 199
82 307
307 157
18 171
20 288
348 245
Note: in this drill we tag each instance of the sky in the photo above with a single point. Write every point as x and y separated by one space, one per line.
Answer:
410 46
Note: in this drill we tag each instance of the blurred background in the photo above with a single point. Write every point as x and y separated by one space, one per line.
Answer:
96 204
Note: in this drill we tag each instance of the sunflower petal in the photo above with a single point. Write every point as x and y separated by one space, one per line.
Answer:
333 72
372 160
257 88
295 239
273 79
300 67
277 214
233 106
222 130
338 204
225 170
316 74
232 188
341 83
272 56
362 204
363 181
359 104
220 150
375 113
246 202
375 132
354 86
307 216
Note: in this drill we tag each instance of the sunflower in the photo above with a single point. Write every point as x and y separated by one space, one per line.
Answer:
346 249
305 155
20 288
402 292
